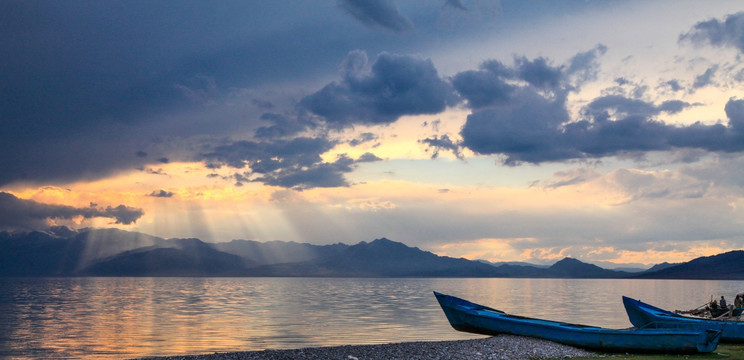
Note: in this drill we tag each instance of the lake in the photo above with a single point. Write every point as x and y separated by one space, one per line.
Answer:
133 317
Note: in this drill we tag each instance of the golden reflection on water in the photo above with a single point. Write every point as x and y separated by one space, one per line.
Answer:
114 318
134 317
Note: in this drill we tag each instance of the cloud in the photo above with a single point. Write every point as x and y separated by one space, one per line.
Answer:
536 130
16 213
585 66
380 13
294 163
161 193
482 87
728 33
520 113
444 142
266 156
396 85
368 157
570 177
282 126
495 82
605 107
705 78
109 94
317 175
527 129
363 138
673 85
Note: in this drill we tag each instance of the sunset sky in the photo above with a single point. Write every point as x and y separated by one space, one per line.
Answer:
607 131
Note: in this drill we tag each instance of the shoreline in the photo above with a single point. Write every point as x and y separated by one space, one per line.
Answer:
500 347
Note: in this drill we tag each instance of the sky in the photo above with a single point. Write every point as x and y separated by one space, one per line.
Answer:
607 131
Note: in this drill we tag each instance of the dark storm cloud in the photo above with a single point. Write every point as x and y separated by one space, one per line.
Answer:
266 156
494 83
539 73
527 129
535 130
283 126
294 163
23 214
318 175
729 32
482 87
85 84
522 123
396 85
382 13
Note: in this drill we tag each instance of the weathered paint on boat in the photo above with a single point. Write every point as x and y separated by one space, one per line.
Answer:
640 313
466 316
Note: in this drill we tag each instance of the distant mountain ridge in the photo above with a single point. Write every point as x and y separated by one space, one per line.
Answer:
113 252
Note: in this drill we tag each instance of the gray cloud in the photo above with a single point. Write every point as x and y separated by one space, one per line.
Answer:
363 138
283 126
522 123
161 193
674 85
482 87
16 213
539 73
397 85
382 13
294 163
527 129
569 177
267 156
535 130
114 76
437 144
705 78
317 175
729 32
494 84
603 108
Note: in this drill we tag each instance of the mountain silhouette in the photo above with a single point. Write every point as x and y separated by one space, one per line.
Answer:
183 257
112 252
726 266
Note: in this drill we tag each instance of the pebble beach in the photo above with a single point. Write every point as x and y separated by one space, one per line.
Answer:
502 347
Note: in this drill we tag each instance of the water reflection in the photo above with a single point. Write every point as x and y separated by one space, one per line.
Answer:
131 317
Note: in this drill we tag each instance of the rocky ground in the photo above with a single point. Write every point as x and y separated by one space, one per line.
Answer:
500 347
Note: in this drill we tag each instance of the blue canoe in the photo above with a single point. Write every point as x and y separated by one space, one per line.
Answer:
640 313
466 316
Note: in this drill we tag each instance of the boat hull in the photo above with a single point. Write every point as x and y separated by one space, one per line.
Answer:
470 317
640 314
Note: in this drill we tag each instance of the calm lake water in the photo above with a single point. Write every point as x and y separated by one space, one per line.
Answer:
134 317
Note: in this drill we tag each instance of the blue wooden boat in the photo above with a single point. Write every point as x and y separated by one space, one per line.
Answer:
640 313
466 316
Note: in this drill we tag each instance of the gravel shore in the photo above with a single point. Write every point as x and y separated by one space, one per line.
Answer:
502 347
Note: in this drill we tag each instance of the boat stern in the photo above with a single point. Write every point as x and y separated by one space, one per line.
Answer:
710 340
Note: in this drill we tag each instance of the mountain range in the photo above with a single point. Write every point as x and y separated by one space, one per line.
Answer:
113 252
